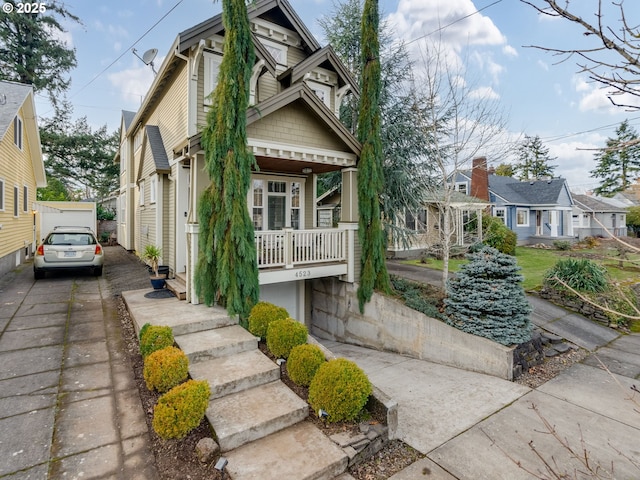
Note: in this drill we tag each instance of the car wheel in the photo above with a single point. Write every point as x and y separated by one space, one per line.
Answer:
97 271
38 274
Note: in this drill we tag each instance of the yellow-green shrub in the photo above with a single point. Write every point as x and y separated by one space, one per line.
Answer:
181 409
165 368
283 335
303 363
155 337
340 388
262 314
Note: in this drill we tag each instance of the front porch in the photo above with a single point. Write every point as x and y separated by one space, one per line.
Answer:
290 255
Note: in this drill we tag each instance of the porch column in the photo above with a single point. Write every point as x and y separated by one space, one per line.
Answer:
349 196
193 230
351 230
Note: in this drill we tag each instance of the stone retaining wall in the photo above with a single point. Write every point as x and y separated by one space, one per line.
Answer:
388 324
575 304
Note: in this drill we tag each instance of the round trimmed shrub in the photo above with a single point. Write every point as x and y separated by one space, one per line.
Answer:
303 363
181 409
283 335
262 314
341 389
155 337
143 330
497 235
165 368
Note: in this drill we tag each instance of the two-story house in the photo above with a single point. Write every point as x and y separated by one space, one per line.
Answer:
21 173
294 132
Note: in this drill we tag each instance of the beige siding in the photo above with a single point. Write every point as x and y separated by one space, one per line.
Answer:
295 56
16 169
201 116
295 125
267 87
309 221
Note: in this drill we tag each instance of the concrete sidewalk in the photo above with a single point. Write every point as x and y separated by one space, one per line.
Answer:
69 405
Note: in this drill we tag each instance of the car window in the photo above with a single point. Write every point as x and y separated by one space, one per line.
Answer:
70 239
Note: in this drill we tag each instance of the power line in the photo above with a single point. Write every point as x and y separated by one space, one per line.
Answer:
453 23
128 49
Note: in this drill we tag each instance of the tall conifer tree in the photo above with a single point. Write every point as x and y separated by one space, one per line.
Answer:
227 269
370 178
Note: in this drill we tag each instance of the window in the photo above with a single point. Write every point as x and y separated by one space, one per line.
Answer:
16 200
25 199
417 223
153 189
258 204
212 63
323 92
141 187
276 204
501 213
277 50
1 195
461 187
17 132
522 217
295 205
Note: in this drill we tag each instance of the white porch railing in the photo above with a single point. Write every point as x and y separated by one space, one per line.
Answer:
289 248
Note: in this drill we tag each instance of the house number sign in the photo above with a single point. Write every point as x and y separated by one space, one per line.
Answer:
303 273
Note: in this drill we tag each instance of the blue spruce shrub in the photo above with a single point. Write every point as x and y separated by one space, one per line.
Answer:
486 298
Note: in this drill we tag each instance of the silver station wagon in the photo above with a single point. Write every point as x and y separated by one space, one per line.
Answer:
68 248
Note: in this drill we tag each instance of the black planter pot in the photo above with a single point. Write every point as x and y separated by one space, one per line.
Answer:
157 283
163 270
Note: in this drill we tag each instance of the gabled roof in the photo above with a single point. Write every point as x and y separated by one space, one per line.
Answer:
325 57
456 198
279 9
590 203
13 97
127 118
534 192
153 141
302 92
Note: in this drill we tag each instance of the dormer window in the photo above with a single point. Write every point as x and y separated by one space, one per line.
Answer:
322 91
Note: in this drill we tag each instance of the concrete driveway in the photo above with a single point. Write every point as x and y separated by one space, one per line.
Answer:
69 405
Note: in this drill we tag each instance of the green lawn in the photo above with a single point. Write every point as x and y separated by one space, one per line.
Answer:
535 262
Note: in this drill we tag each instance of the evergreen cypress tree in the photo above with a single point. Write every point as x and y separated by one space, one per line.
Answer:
486 298
370 178
227 269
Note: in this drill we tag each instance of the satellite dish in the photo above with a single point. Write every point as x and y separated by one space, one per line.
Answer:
147 57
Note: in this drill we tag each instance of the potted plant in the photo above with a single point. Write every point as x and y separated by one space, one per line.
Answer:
152 254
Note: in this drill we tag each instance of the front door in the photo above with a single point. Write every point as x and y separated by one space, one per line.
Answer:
276 206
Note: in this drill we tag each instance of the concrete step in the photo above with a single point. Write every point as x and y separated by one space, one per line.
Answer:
246 416
198 318
178 287
205 345
234 373
300 452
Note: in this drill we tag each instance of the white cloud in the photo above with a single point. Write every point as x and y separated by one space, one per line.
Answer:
484 93
509 51
575 160
543 65
133 83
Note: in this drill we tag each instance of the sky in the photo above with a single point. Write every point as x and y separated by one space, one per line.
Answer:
537 92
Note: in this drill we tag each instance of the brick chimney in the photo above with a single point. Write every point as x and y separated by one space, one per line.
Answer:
480 179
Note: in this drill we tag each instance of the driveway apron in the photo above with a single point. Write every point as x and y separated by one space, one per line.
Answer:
69 406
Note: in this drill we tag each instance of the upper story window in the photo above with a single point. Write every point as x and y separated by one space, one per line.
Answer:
277 50
322 91
461 187
212 63
137 140
17 131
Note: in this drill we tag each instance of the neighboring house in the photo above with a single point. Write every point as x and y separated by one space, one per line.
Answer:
21 173
598 217
425 226
294 132
536 210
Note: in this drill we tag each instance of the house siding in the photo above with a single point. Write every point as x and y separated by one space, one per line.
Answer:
294 126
